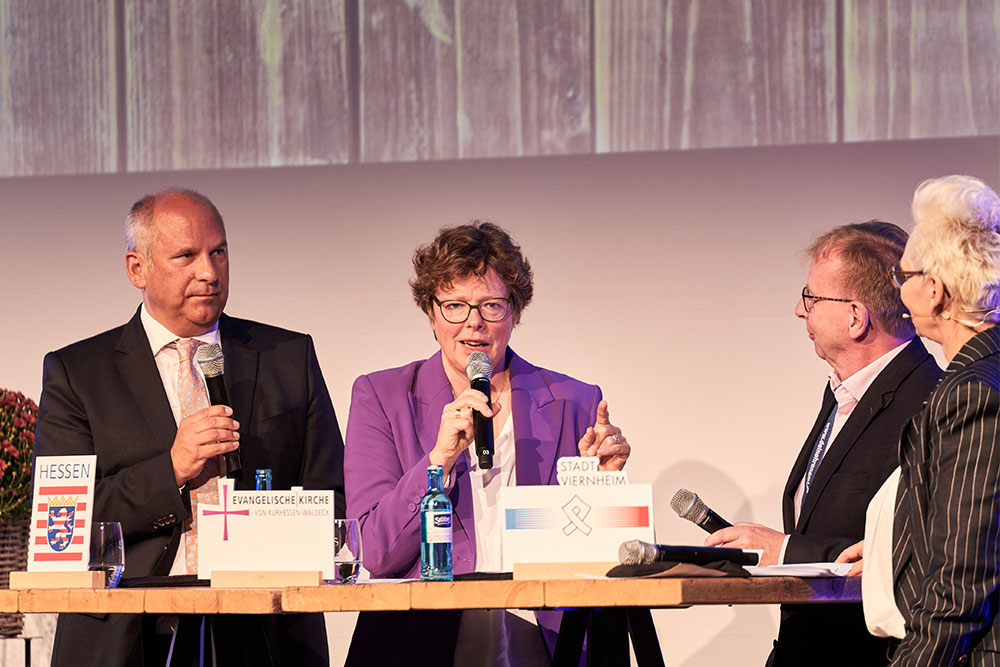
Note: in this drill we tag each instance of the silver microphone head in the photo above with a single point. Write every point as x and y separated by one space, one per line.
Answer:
689 506
478 366
209 357
636 552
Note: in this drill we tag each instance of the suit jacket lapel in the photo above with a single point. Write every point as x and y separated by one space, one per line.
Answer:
537 419
799 469
142 378
873 402
430 392
240 367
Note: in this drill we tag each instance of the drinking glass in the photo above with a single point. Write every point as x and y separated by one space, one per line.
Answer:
346 551
107 551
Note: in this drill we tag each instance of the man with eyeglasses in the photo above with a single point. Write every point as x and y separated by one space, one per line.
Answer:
880 375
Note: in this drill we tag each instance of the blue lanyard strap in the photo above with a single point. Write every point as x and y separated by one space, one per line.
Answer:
817 454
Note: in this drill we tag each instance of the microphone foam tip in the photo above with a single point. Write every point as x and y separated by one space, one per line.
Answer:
636 552
478 366
209 357
689 506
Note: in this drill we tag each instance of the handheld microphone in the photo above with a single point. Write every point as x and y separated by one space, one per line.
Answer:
209 358
689 506
637 552
480 370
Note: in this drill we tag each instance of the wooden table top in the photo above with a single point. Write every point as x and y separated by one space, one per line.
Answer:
524 594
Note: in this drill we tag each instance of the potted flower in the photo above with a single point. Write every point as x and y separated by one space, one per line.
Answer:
17 437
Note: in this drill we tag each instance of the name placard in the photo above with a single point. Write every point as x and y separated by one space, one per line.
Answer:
572 524
266 531
62 506
585 471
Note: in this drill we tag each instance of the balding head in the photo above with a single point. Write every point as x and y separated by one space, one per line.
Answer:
140 232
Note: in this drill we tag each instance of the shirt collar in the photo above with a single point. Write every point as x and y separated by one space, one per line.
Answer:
854 387
159 336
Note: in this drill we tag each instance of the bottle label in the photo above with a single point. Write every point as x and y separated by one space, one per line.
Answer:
439 527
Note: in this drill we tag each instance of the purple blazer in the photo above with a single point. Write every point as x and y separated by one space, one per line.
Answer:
393 424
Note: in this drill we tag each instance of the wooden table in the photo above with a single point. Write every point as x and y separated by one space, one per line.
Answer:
616 607
520 594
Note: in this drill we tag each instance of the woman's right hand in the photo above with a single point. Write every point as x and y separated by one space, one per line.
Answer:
455 433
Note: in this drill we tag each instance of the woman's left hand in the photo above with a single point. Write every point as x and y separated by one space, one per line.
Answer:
605 441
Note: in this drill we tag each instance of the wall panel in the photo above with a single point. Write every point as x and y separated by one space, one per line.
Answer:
711 73
57 87
224 83
914 69
474 79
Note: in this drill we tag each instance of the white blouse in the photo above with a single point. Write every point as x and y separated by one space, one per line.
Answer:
881 613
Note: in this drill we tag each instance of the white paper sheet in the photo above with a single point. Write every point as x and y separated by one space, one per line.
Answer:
801 570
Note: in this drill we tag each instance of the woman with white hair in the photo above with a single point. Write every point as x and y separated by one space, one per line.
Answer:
932 561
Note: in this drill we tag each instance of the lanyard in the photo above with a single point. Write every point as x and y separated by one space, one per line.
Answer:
817 454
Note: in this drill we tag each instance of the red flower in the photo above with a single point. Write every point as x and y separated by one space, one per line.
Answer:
18 415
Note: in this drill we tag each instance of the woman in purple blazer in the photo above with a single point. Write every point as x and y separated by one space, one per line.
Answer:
473 283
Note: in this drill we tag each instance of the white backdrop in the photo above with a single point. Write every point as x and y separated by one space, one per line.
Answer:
667 278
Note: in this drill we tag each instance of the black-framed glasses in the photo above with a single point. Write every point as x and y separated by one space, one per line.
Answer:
812 298
457 312
899 276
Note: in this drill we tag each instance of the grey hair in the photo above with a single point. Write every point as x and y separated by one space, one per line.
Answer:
957 238
140 232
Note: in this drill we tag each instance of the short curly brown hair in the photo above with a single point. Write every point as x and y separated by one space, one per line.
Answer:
471 250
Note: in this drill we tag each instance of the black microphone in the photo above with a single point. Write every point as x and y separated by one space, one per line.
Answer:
637 552
209 357
689 506
480 370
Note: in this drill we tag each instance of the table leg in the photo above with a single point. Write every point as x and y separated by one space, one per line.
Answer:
569 643
607 634
607 638
645 643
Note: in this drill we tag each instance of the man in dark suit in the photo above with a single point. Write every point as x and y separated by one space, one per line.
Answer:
881 374
118 395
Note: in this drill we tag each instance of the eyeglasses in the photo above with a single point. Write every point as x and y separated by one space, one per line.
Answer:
899 276
457 312
807 298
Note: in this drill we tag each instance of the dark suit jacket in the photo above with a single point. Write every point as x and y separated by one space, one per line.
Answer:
856 464
104 396
946 533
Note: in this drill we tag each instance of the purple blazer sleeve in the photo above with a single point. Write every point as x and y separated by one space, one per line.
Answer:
386 476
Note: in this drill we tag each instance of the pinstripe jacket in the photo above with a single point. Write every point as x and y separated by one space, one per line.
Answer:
946 533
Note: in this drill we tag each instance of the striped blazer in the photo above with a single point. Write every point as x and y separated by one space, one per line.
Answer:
946 533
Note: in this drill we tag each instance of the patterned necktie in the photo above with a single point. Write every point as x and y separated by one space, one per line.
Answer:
204 488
